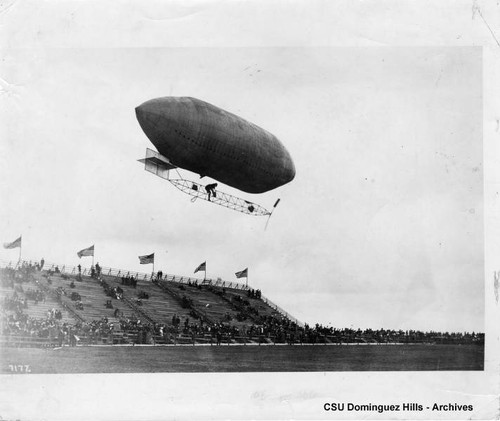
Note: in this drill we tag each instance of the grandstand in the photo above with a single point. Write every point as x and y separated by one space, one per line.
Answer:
123 307
58 305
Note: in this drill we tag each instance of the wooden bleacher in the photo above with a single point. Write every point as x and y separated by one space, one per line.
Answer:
209 303
41 309
93 298
160 305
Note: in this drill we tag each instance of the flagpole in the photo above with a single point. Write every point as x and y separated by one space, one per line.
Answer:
20 248
205 272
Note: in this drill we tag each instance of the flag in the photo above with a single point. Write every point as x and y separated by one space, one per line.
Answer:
89 251
202 266
13 245
242 274
144 260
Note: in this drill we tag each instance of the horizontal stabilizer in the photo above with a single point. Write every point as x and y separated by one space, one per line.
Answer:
156 161
157 164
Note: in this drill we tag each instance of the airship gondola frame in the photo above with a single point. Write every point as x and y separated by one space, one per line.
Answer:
161 166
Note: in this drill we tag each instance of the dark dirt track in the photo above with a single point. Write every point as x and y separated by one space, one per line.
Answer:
140 359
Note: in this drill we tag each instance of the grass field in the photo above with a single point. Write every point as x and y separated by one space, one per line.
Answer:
142 359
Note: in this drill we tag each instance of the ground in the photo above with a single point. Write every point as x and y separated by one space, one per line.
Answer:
145 359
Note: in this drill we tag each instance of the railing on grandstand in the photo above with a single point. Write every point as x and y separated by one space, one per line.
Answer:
141 276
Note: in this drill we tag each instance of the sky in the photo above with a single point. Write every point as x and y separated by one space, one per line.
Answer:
382 226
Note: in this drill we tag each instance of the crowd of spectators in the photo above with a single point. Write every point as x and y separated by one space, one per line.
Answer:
14 303
113 292
95 271
35 295
243 308
249 324
20 324
254 293
129 281
195 284
23 273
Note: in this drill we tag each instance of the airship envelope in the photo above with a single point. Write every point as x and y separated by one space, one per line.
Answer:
207 140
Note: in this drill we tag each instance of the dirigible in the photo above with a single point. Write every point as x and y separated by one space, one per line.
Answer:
199 137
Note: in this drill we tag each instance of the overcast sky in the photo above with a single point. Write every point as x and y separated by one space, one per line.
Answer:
382 226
